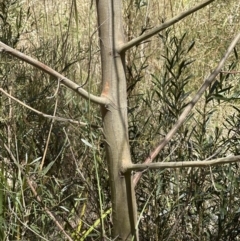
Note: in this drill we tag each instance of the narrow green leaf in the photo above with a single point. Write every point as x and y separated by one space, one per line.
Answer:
191 46
87 143
47 168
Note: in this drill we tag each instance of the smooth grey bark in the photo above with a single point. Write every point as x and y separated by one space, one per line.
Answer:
114 116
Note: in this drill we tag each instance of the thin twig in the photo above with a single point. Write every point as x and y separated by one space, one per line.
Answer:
214 186
50 130
74 158
56 118
230 72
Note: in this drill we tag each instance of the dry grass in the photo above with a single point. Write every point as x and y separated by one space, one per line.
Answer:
53 33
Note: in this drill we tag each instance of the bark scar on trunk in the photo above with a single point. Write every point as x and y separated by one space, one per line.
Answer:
106 87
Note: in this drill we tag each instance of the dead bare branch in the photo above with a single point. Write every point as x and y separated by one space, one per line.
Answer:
56 118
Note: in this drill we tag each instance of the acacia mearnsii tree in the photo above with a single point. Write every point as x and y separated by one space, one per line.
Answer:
52 140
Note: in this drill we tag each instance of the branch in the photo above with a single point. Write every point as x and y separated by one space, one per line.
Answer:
46 115
189 107
165 25
70 84
158 165
230 72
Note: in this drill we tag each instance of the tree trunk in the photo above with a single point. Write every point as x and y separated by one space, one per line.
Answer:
115 124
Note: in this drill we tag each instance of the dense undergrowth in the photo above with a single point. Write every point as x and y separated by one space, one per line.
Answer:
65 161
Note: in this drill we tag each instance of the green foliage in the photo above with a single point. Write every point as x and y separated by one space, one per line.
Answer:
184 204
191 203
65 183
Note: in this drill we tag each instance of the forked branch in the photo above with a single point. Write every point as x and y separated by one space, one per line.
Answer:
70 84
189 107
165 25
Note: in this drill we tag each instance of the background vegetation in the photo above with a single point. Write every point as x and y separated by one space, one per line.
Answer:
66 159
